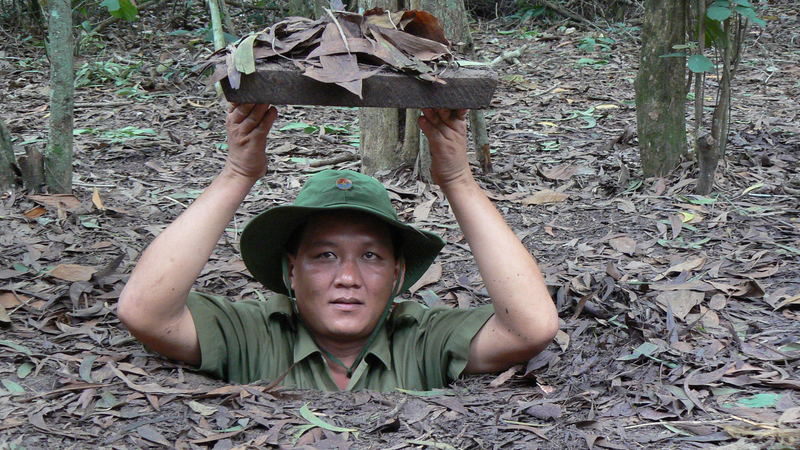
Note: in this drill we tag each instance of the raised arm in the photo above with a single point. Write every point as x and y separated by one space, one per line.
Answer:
153 303
525 319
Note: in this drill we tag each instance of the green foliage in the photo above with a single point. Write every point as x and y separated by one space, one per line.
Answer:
700 63
600 43
124 9
97 73
119 135
722 10
351 133
526 11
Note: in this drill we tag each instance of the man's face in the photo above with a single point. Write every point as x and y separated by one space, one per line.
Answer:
343 273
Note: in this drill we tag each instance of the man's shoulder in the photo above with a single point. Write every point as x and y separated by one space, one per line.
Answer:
274 304
408 313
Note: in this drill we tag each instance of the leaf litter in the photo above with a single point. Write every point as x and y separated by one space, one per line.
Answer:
679 313
342 48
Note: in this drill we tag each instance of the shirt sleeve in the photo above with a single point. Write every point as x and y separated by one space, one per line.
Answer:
234 337
445 337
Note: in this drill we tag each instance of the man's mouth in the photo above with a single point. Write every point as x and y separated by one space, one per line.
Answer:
346 304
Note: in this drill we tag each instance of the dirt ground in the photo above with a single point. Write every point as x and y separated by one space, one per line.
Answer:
680 313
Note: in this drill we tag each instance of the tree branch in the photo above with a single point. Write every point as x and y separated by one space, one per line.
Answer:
245 6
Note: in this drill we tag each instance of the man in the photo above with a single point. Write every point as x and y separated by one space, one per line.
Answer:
337 258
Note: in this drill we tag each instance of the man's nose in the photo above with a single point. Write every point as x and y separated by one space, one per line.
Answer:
349 273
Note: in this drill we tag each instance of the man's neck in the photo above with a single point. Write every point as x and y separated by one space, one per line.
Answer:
346 351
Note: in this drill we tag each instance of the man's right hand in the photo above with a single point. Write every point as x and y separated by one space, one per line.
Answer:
248 125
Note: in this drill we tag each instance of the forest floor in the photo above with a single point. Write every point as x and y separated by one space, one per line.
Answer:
680 314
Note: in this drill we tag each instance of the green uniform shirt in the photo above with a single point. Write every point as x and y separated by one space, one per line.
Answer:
419 348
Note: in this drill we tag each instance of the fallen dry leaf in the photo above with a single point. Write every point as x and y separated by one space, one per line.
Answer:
73 272
544 197
791 415
681 302
505 376
544 411
432 275
562 339
10 300
685 266
98 202
560 172
4 319
60 201
36 211
623 244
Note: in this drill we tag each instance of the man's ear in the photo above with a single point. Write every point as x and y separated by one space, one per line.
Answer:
290 259
399 273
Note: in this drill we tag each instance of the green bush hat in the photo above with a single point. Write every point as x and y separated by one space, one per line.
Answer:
264 239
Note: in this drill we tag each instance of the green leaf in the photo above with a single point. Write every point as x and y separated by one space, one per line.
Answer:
299 431
746 12
432 444
13 387
700 63
646 349
89 222
790 347
788 248
20 348
123 9
591 61
243 58
85 370
299 126
700 200
315 420
759 401
750 14
24 370
718 13
466 63
107 400
242 423
743 3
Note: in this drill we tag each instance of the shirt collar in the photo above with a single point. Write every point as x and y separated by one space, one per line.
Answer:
305 346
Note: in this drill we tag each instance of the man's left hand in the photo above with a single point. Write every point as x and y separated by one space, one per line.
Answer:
446 130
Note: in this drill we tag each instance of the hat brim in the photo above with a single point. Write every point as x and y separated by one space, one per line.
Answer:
264 239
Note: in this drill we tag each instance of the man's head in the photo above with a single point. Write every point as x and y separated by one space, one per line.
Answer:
343 269
268 237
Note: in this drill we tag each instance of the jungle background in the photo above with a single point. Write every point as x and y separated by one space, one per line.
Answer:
680 312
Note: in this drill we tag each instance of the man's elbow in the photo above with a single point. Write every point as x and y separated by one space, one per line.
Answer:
126 308
131 310
542 334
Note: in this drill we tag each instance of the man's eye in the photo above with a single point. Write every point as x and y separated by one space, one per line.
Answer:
371 255
326 255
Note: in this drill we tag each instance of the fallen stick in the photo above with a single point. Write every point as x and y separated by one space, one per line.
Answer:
335 160
509 55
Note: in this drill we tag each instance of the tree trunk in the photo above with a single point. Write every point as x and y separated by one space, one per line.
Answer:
660 99
7 160
376 142
380 127
380 139
216 24
58 154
